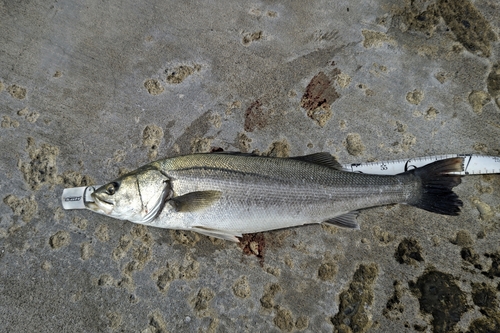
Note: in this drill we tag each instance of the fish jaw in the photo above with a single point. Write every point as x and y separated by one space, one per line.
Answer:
100 206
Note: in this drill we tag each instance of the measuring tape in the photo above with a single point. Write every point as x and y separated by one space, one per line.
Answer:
473 165
78 197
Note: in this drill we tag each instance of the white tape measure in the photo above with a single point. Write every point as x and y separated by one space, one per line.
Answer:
473 165
78 197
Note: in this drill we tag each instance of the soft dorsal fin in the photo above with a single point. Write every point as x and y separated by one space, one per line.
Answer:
195 201
324 159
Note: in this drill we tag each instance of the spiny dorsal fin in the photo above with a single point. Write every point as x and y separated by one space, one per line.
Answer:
324 159
195 201
347 220
321 158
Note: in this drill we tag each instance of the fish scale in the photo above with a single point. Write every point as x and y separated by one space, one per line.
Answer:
227 195
268 193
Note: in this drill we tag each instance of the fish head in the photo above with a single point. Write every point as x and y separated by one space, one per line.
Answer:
138 196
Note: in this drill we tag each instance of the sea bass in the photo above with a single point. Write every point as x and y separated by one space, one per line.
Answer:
226 195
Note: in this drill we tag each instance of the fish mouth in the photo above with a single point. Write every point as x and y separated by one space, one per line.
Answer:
100 205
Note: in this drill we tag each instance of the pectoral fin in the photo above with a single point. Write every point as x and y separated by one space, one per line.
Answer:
347 220
195 201
222 234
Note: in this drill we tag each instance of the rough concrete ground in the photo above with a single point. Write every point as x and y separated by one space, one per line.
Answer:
90 89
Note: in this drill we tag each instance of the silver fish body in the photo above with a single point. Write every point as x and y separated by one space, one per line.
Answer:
227 195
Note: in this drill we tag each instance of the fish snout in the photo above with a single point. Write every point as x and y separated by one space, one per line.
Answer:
101 204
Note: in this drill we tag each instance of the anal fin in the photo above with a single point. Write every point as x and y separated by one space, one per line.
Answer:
217 233
347 220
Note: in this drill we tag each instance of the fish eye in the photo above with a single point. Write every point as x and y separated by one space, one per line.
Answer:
112 188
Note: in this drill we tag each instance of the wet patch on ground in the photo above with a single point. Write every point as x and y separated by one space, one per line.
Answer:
28 116
376 39
60 239
284 319
202 145
485 297
196 130
467 23
156 323
409 252
278 149
327 270
74 179
255 117
354 304
8 122
394 307
42 168
202 300
250 37
493 83
419 17
319 96
153 87
439 295
152 136
16 91
243 143
470 27
189 269
179 74
354 144
477 100
241 288
26 208
270 291
494 270
415 97
254 244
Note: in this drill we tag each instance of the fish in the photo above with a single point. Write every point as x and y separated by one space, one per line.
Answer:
226 195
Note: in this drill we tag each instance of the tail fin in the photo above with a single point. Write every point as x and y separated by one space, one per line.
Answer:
436 195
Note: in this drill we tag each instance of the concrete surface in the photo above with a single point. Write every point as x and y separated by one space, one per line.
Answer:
90 89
